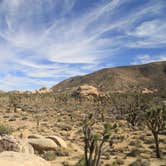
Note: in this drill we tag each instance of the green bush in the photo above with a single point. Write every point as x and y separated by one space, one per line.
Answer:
61 152
49 156
81 162
134 153
139 162
5 129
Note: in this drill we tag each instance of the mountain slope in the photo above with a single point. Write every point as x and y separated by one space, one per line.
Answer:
2 92
128 78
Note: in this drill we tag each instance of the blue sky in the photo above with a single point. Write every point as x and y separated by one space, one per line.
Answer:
43 42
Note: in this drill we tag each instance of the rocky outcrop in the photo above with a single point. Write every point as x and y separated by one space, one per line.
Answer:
41 90
59 141
86 90
43 144
9 158
36 91
44 90
25 147
9 143
33 143
2 92
36 136
148 91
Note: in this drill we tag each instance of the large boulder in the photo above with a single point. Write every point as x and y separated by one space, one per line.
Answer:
9 143
59 141
36 136
25 147
87 90
9 158
42 144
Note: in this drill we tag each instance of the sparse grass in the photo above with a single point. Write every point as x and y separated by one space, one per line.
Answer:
81 162
62 152
134 153
49 156
5 129
140 162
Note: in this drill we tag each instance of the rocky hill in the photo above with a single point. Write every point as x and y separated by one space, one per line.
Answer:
1 91
147 77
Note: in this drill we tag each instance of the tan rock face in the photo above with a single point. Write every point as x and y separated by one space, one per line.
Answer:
147 91
87 90
43 90
42 144
36 136
9 143
21 159
25 147
59 141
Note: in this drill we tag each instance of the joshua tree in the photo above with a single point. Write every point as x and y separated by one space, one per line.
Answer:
14 100
155 119
101 103
133 109
93 142
119 103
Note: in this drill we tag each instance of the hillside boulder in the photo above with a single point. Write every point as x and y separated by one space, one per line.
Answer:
36 136
42 144
59 141
9 158
43 90
9 143
86 90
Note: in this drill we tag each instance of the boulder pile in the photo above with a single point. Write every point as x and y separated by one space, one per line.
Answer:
9 158
33 143
86 90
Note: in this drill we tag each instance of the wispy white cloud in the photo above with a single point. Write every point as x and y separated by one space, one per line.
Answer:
35 32
10 82
143 59
150 33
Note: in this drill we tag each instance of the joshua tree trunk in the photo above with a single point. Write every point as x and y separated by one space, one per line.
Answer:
102 116
155 135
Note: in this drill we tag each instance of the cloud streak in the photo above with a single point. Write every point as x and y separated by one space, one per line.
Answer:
143 59
49 40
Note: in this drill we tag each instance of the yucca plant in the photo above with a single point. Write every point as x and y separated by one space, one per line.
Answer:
93 142
155 119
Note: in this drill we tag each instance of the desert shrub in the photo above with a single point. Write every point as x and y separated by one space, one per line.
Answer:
149 141
120 161
107 155
139 162
24 118
49 156
52 155
12 119
5 129
134 152
107 164
66 163
61 152
114 163
136 163
81 162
